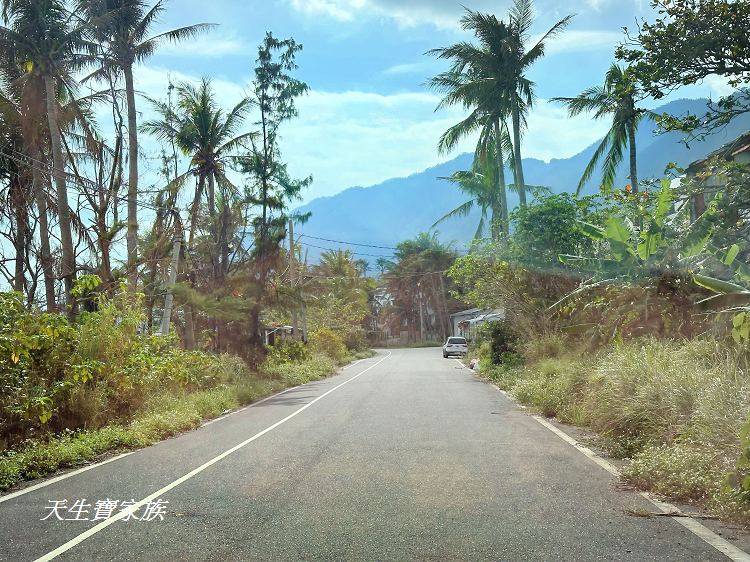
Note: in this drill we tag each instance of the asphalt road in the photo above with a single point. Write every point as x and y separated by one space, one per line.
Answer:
412 458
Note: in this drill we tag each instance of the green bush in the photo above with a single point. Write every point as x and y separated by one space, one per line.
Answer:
288 351
55 375
656 389
293 374
329 342
72 391
503 343
683 471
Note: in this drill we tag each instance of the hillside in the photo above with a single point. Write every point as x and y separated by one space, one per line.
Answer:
399 208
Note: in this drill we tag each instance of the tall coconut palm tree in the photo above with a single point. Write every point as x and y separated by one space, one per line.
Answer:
480 185
123 27
45 43
490 79
207 135
22 108
517 61
616 99
475 82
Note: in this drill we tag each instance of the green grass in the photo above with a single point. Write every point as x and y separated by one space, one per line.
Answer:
675 409
411 345
162 416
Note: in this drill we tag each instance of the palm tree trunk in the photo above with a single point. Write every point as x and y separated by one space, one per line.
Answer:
633 157
68 265
211 194
518 165
215 225
20 212
503 211
223 242
45 256
132 232
194 210
174 265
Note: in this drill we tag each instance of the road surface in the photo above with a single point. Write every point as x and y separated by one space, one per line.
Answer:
402 456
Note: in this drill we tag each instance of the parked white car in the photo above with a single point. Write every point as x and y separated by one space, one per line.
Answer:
455 346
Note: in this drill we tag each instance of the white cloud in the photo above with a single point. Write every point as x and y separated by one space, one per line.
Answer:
408 68
354 138
719 86
445 14
341 10
552 134
211 45
441 13
347 139
575 40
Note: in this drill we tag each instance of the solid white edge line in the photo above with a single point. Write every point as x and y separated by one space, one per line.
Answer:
698 529
161 491
45 483
61 477
274 395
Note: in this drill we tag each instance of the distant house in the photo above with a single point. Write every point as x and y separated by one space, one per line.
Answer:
737 151
460 321
466 322
276 333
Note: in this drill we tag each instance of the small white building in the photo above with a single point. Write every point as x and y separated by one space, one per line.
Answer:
737 151
466 322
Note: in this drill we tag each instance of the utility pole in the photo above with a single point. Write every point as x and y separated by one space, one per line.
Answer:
169 298
449 327
304 307
290 233
421 315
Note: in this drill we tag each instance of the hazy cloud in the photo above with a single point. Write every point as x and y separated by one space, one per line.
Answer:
360 138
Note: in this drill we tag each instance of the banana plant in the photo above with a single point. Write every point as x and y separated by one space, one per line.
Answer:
643 249
731 296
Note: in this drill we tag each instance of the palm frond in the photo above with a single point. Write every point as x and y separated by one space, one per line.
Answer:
591 166
461 211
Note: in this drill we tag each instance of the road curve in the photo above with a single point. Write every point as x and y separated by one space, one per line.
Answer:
401 456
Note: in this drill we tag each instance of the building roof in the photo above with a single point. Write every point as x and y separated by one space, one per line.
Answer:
466 312
727 151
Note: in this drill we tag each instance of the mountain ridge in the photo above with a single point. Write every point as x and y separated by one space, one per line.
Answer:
399 208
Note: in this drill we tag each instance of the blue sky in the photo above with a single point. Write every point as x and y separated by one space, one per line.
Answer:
368 116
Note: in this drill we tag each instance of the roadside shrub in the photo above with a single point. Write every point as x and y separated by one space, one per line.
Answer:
653 389
287 351
683 471
544 346
38 368
72 391
503 343
554 387
292 374
327 341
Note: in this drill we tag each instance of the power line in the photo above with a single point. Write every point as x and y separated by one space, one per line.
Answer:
337 249
73 181
348 243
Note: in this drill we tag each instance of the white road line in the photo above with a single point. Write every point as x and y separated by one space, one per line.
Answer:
274 395
161 491
45 483
12 495
695 527
698 529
